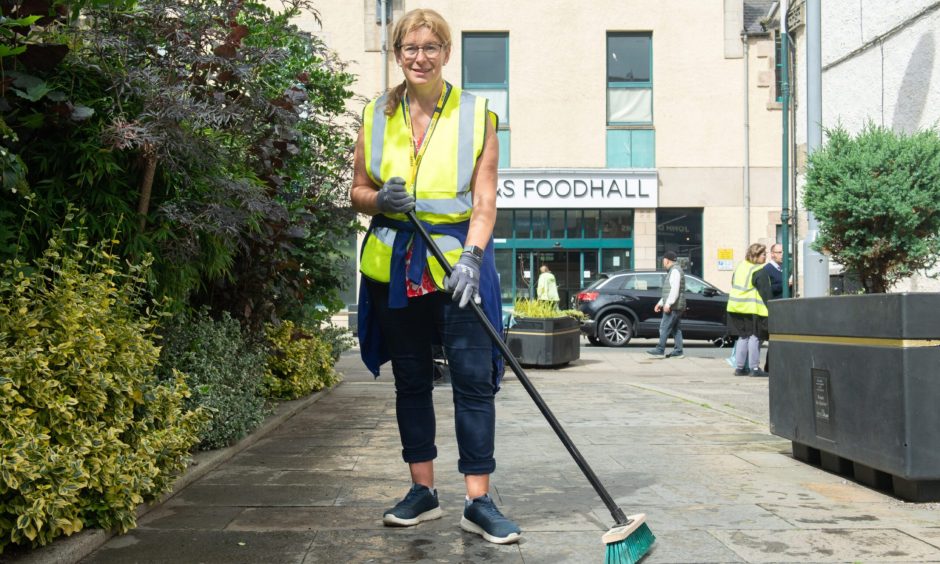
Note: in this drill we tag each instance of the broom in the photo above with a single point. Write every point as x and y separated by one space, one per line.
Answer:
630 538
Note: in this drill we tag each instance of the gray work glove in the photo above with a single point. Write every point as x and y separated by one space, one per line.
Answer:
393 198
464 282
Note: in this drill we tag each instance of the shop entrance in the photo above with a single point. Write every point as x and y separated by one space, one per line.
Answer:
573 270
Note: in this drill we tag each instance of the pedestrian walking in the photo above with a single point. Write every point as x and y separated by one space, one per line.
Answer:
547 289
672 306
747 310
412 154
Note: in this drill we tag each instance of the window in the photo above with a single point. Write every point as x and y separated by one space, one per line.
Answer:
616 224
680 230
649 282
556 223
630 136
629 78
539 224
486 73
694 285
591 223
503 227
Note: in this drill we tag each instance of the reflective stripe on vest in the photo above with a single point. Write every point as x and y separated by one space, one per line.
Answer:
442 183
744 297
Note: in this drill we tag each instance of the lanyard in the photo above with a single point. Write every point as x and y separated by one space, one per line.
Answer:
418 153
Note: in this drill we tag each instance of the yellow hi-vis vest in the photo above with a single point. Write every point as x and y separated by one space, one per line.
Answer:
744 297
442 184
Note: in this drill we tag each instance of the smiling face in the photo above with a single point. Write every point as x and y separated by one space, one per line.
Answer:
419 68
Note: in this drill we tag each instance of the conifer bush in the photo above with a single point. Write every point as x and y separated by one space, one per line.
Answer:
88 432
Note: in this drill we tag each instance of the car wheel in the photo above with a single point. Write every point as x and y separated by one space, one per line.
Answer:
615 330
594 341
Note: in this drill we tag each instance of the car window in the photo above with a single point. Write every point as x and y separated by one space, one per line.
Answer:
599 283
629 282
652 281
694 285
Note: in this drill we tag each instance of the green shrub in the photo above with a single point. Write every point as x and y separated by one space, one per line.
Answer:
875 195
339 339
543 309
87 431
223 370
299 362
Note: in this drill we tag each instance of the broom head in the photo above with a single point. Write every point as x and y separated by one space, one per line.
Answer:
628 543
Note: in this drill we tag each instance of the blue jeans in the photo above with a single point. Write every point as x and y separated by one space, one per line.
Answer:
409 334
669 326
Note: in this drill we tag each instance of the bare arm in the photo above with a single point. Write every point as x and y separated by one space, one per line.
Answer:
363 192
483 187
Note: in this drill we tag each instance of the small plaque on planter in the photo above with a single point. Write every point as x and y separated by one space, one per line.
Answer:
822 403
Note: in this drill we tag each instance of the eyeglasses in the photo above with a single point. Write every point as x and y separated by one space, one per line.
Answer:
431 50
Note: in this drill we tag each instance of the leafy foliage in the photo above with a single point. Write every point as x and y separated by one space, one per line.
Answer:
876 198
223 371
208 133
543 309
87 432
299 362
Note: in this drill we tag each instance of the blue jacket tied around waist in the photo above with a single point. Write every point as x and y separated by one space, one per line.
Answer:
371 342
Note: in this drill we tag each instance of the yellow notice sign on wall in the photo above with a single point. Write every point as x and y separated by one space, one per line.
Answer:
725 254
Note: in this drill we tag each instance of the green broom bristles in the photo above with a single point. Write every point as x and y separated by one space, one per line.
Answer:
630 548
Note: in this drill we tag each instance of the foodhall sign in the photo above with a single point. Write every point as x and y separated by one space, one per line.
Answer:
577 188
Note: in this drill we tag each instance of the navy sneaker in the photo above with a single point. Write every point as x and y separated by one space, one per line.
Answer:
741 371
675 354
758 372
420 504
481 516
655 353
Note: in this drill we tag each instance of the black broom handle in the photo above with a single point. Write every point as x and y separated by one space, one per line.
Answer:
615 511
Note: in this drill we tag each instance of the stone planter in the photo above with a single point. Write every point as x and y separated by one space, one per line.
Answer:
855 384
545 341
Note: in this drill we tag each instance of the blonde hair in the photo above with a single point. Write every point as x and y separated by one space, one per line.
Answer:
755 251
415 19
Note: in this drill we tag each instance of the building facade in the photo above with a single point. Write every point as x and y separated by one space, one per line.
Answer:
879 64
627 127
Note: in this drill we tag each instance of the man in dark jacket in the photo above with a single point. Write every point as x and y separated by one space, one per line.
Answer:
775 271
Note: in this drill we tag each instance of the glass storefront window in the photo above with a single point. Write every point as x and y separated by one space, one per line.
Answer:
573 223
616 224
503 227
615 259
539 224
523 224
591 223
504 269
680 230
556 224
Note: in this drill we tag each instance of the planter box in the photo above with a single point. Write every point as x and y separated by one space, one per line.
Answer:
545 341
855 384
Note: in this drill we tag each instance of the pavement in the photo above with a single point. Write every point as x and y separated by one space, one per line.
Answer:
682 440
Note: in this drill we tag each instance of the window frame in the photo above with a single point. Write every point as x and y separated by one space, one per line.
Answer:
640 85
502 129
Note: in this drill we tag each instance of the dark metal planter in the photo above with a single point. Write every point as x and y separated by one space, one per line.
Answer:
855 385
545 341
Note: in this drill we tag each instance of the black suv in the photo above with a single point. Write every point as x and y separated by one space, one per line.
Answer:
620 307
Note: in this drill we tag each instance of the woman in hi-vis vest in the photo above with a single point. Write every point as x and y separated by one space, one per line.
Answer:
429 147
747 310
